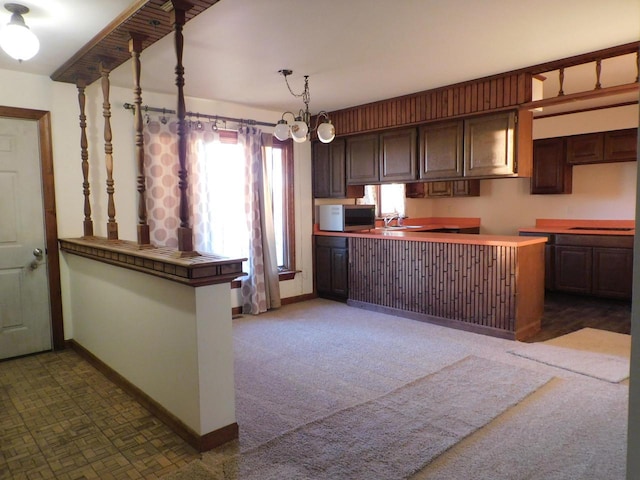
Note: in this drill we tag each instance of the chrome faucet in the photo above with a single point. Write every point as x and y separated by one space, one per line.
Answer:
390 218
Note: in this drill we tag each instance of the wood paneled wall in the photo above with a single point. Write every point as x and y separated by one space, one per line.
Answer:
477 96
466 283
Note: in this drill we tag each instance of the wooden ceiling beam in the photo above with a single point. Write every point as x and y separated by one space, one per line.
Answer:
147 17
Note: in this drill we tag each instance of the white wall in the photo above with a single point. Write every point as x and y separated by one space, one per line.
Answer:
61 99
601 191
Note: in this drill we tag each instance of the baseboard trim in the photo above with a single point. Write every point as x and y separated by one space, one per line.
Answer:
444 322
298 298
236 311
202 443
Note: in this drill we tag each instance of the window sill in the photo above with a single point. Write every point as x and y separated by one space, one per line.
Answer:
287 274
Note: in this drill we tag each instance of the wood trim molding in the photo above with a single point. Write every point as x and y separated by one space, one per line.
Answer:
50 223
195 271
298 298
201 443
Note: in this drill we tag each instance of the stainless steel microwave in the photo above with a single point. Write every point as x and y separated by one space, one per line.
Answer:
347 218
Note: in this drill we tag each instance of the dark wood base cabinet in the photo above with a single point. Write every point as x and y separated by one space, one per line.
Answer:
332 267
596 265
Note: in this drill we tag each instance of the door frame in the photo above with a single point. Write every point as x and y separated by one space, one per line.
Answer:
49 205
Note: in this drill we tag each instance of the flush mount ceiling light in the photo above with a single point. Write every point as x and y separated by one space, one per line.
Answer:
300 130
15 38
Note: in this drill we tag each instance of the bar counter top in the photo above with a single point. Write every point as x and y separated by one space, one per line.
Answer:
421 230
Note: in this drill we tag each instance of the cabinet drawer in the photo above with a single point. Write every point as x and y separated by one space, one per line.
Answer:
616 241
336 242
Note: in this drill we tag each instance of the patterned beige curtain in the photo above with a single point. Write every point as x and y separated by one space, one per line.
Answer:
163 196
261 288
240 227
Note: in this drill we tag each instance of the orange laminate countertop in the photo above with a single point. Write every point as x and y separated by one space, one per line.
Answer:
582 227
423 235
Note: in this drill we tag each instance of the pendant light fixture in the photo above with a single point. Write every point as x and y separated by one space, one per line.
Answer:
16 39
300 130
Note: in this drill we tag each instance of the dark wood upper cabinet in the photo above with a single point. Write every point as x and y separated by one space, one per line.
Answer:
489 145
456 188
363 166
329 171
621 145
398 155
321 167
441 150
603 147
388 157
551 173
466 188
439 189
586 148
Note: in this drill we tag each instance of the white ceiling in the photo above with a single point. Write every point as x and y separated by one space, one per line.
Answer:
355 51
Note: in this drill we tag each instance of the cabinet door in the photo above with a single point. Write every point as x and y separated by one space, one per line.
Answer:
439 189
321 167
621 145
338 184
573 269
339 272
328 164
466 188
489 145
398 155
612 272
441 150
551 173
415 190
323 269
362 160
587 148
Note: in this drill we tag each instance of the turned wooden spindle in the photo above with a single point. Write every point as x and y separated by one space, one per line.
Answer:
561 92
87 224
598 72
178 19
135 48
112 226
638 67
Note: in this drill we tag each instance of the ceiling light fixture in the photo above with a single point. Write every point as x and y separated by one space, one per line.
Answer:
15 38
300 130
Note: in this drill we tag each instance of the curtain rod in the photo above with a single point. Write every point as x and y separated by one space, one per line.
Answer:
245 121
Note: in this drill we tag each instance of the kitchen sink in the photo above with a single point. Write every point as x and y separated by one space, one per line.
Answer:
610 229
402 227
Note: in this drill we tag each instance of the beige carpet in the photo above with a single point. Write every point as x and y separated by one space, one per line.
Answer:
595 353
310 361
395 435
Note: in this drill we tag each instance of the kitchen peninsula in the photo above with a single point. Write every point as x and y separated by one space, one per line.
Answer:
489 284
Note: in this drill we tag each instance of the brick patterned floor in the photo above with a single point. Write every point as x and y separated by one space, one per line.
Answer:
62 419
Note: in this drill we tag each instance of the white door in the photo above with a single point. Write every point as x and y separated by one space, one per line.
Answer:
25 323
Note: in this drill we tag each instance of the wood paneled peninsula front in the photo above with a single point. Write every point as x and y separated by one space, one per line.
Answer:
489 284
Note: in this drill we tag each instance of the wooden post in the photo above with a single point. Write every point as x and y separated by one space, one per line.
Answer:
185 234
87 224
561 92
112 226
135 48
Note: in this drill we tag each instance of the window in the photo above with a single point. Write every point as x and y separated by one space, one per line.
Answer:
221 166
388 198
279 158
